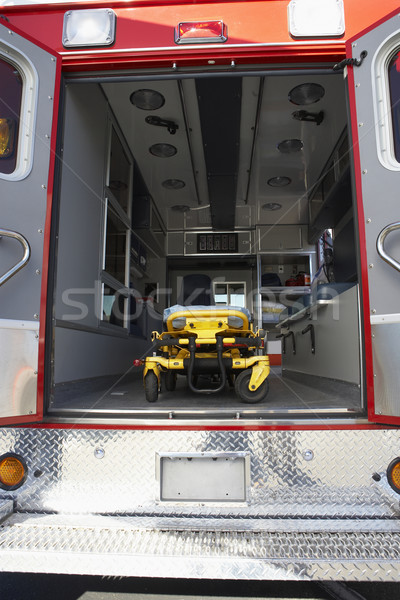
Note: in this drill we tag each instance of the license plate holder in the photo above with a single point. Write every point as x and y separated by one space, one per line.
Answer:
204 477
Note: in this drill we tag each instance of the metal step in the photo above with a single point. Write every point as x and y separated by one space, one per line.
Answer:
127 546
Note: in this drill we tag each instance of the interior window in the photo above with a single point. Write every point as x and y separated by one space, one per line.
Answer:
232 294
10 109
394 86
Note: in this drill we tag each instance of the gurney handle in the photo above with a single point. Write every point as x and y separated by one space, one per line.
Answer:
192 358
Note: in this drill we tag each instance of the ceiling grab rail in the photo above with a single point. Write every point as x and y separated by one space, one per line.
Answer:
20 264
380 245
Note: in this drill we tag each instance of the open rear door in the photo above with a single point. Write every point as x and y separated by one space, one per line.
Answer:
29 84
374 88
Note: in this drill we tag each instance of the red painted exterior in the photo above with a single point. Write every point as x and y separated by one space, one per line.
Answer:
257 34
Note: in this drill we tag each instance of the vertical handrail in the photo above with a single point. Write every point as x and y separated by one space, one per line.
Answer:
380 245
20 264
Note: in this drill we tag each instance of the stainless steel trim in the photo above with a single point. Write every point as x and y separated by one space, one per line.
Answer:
204 46
172 423
380 245
27 254
197 74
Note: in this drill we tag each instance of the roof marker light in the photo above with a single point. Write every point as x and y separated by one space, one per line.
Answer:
200 32
94 27
316 18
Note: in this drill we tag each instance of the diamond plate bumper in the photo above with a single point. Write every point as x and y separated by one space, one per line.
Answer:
91 505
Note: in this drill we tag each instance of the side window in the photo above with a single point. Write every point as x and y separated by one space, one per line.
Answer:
394 89
115 276
10 112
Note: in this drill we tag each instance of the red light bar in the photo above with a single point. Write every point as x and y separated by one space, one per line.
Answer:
202 32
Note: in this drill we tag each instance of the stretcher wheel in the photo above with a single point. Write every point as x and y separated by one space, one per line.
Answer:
151 387
242 388
170 381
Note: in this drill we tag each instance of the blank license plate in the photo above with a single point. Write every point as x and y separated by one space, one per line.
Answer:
204 478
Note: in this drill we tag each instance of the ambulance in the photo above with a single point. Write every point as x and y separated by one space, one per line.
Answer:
157 155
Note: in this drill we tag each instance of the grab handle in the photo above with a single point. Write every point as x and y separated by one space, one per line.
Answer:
20 264
310 328
380 245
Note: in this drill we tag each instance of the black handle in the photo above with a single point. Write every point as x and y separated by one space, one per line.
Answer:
310 328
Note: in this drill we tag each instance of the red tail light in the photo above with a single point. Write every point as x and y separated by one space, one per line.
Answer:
202 32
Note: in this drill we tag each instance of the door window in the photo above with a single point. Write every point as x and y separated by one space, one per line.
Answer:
394 87
10 111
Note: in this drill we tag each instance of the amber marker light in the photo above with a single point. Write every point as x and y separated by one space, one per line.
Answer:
393 475
13 471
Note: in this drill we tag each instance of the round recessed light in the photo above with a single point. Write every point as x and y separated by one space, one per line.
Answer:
306 93
173 184
163 150
289 146
271 206
279 181
181 208
147 99
117 185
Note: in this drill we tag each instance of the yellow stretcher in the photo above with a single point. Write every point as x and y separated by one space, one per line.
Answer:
212 340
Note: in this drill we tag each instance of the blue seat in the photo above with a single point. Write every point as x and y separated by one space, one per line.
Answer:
196 290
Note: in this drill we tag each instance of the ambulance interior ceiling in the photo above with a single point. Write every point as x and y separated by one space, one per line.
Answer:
228 140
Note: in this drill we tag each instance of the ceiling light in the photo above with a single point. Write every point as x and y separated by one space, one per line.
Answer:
306 93
271 206
173 184
118 186
147 99
94 27
279 181
163 150
181 208
289 146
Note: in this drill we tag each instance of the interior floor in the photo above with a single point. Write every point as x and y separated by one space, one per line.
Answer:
125 394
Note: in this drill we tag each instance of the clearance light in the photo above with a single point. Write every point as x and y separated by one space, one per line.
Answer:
316 18
89 27
13 471
7 136
393 475
202 32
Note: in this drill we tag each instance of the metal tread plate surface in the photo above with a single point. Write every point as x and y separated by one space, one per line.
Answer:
319 474
91 505
115 546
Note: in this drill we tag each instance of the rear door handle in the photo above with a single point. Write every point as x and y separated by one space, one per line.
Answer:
380 245
20 264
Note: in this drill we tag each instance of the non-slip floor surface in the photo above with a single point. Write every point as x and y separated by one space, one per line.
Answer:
125 394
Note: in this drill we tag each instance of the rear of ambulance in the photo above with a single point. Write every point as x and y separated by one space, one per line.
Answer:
250 145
